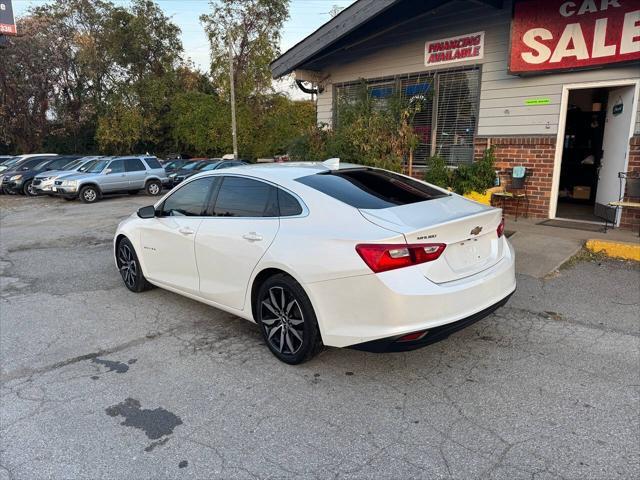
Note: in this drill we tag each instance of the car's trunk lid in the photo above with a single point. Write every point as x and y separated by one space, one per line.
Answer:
468 229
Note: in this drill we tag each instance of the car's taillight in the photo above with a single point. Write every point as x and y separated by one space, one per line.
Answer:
500 229
383 257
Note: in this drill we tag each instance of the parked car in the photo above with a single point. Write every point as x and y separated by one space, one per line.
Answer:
173 165
12 162
5 158
20 178
113 175
190 167
205 166
346 256
43 182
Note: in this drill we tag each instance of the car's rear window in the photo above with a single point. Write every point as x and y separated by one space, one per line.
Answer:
152 162
371 189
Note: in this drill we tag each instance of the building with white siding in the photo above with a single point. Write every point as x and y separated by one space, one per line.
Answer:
552 85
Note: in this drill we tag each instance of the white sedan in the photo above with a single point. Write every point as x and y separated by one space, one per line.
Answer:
323 254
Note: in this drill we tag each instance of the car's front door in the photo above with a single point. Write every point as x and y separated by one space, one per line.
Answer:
168 239
115 177
136 173
230 243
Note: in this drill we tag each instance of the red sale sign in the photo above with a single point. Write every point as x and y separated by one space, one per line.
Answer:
560 35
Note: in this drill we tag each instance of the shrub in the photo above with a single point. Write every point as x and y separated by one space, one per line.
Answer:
437 172
474 177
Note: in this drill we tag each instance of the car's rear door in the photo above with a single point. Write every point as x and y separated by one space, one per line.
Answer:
136 173
168 239
230 243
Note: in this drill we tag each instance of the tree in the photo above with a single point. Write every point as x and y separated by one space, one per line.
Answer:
254 26
27 85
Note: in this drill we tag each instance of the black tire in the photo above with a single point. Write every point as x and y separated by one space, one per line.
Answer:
28 190
89 194
129 267
153 188
286 319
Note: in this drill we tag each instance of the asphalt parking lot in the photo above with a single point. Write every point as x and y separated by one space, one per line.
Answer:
98 382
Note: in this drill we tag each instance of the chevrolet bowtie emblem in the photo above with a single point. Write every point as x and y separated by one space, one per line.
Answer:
476 230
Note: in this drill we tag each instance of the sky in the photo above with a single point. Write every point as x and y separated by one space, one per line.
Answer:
305 16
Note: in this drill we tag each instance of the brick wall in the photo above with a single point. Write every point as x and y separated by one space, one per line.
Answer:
631 217
536 154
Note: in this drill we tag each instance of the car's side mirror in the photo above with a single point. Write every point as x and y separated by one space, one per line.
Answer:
107 171
147 212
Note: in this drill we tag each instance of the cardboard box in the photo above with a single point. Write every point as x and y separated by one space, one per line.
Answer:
581 193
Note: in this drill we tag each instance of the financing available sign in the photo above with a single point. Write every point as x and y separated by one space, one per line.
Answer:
7 22
454 49
556 35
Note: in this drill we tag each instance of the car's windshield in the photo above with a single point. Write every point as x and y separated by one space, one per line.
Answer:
97 167
11 163
174 164
72 165
210 166
87 166
190 165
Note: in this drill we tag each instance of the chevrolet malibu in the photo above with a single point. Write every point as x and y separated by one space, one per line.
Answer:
323 254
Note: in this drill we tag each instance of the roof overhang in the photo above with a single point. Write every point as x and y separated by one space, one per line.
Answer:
354 23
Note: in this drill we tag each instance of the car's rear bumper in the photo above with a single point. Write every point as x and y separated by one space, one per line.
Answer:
399 344
362 309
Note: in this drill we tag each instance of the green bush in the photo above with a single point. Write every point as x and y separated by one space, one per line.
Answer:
437 172
474 177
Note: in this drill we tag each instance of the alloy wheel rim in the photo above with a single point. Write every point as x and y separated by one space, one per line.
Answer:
90 195
153 189
31 190
282 317
128 266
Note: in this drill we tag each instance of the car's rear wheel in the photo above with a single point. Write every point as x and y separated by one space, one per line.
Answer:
130 269
153 188
287 320
89 194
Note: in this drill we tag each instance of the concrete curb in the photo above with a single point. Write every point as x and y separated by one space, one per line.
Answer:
623 250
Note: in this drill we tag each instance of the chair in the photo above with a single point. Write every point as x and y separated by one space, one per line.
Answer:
631 193
516 190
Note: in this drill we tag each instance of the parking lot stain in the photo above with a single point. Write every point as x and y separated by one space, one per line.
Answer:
113 366
183 464
348 373
155 423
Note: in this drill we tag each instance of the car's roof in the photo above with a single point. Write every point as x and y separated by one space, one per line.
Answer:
284 171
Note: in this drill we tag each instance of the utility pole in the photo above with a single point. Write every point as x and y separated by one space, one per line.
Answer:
234 132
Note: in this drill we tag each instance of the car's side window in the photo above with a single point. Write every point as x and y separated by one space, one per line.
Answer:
245 197
134 165
117 166
289 206
190 200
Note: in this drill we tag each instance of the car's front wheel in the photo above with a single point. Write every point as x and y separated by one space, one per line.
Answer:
287 320
153 188
89 194
28 189
130 269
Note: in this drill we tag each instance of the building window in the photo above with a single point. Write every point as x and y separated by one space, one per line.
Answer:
446 122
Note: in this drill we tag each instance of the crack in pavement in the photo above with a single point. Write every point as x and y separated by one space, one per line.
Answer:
28 372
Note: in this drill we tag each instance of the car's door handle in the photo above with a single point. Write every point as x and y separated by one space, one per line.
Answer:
252 237
186 231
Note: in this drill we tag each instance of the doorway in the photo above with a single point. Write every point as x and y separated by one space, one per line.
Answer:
592 149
